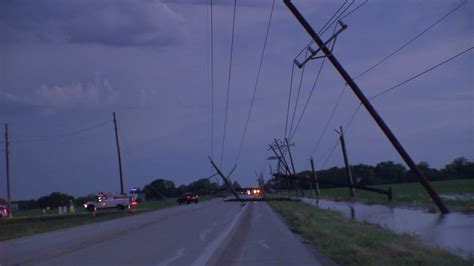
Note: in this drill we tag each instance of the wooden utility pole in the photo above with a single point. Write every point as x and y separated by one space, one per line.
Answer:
363 99
7 157
315 177
346 162
118 153
226 181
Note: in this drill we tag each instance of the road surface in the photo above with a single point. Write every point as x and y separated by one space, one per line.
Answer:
208 233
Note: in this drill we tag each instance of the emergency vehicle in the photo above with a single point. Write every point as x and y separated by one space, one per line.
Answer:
109 200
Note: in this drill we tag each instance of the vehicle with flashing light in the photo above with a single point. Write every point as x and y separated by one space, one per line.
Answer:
110 200
3 211
188 198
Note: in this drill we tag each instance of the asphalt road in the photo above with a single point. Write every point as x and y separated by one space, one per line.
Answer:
208 233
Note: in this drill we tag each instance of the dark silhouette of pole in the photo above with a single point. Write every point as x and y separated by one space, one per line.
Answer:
219 172
283 161
315 177
291 157
118 153
346 161
7 157
378 119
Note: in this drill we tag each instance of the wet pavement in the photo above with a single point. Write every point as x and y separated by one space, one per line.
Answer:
453 231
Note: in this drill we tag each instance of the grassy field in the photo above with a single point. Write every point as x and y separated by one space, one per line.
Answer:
350 242
33 221
412 193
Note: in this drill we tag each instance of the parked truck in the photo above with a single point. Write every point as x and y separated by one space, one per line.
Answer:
110 200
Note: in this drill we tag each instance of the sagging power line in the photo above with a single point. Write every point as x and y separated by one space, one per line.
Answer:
377 118
256 81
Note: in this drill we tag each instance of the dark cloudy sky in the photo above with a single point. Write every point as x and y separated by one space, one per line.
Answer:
67 65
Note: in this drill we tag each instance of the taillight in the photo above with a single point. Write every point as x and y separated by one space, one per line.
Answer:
134 203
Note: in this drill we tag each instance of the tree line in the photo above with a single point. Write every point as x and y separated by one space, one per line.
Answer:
389 172
157 189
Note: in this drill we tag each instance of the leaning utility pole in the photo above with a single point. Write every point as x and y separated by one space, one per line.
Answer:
346 161
226 181
378 119
7 157
315 177
119 156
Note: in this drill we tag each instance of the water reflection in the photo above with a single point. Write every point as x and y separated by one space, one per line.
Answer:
454 231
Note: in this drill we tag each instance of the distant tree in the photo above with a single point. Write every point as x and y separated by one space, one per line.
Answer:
460 167
54 199
431 173
236 184
27 204
160 188
390 172
202 186
363 174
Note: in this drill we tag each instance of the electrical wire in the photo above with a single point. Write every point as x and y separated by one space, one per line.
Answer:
312 91
411 40
297 98
256 81
394 53
63 135
323 27
421 73
212 82
228 85
289 98
326 126
354 114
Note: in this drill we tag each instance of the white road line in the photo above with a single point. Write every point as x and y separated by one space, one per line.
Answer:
263 244
178 255
212 247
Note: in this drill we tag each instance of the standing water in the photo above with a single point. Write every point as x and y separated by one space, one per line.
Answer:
453 231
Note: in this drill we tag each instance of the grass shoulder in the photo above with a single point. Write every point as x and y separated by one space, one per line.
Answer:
351 242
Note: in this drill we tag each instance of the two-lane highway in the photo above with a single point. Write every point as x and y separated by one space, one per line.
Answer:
208 233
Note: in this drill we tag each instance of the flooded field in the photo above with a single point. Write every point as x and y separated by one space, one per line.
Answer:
454 231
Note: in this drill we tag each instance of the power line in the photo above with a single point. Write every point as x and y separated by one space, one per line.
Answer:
330 154
356 111
212 83
312 90
323 28
329 119
389 56
355 9
309 98
297 98
48 137
322 31
289 98
256 81
421 73
411 40
228 84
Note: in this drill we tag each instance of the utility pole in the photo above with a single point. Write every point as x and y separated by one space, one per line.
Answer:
363 99
226 181
315 177
119 156
7 157
346 161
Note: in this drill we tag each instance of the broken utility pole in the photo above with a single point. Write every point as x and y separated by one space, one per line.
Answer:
378 119
346 161
7 157
119 156
225 179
